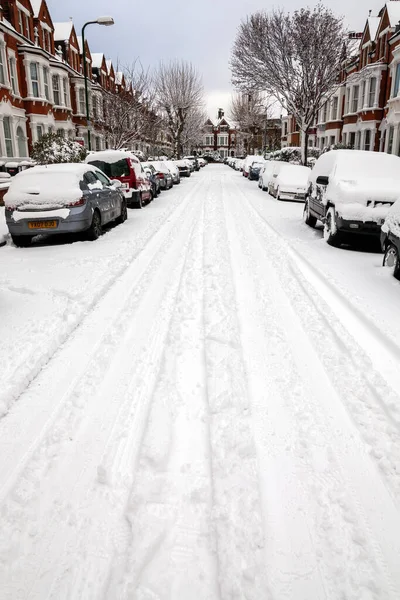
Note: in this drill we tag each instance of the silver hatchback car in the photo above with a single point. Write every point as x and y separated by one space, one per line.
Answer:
62 198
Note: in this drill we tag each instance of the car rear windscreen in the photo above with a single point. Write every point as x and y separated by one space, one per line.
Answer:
114 169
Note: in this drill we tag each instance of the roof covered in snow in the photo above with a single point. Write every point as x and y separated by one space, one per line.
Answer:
393 8
373 24
97 59
62 31
36 5
109 66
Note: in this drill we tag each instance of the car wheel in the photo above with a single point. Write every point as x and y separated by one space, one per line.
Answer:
331 233
392 260
22 241
124 214
308 218
139 203
95 230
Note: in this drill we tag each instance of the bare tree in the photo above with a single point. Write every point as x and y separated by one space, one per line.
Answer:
179 92
251 112
129 112
192 132
295 58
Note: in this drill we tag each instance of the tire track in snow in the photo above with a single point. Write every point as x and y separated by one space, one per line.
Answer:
237 505
171 552
55 524
78 309
372 401
311 451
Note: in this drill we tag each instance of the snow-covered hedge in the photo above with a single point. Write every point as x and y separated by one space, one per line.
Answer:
54 149
293 155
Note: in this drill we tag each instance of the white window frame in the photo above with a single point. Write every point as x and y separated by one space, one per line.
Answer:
55 78
7 119
37 80
371 104
13 73
65 86
46 83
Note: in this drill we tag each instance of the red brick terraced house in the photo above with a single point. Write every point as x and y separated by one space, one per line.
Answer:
219 138
41 81
364 110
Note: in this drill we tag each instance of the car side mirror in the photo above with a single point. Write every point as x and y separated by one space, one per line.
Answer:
322 180
116 184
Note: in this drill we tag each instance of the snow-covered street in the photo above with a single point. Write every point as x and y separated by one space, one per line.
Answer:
202 404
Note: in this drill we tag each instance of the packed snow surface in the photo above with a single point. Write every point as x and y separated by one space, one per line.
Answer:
202 404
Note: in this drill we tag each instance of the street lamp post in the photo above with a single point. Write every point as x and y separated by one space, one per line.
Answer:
107 21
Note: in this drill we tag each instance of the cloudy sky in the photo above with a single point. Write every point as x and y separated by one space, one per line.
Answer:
200 31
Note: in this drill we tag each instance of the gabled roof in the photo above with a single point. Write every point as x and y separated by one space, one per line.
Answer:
223 121
97 60
393 9
209 122
36 6
119 78
373 24
62 31
109 66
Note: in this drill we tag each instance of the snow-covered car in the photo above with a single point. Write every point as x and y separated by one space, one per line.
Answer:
255 168
268 175
246 165
184 168
351 192
194 160
238 166
62 198
292 182
202 161
125 167
390 239
174 170
164 174
152 176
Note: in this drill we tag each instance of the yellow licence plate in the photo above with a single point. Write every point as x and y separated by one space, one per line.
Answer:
42 224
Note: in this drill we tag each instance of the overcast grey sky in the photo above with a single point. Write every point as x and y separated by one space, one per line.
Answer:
201 31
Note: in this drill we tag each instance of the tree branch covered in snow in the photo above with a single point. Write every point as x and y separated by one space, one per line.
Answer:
251 112
179 95
129 114
53 148
292 57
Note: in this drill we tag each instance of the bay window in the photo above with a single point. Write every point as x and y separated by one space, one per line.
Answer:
81 101
397 82
354 106
46 77
65 90
13 75
34 70
372 91
2 70
56 90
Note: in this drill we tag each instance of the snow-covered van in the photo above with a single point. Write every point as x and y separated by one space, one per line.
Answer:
126 168
351 191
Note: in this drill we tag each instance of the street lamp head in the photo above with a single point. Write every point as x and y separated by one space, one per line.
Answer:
107 21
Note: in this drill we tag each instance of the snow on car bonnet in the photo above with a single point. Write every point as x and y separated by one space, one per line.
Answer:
392 221
53 186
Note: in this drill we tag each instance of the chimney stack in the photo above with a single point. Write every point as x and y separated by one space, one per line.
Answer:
220 113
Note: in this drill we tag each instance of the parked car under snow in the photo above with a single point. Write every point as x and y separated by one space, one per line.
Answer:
62 198
292 182
351 192
390 239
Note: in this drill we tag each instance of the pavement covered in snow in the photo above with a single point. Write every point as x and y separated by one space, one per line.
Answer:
202 404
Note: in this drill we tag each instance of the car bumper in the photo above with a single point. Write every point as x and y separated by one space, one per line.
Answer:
78 220
301 196
360 227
